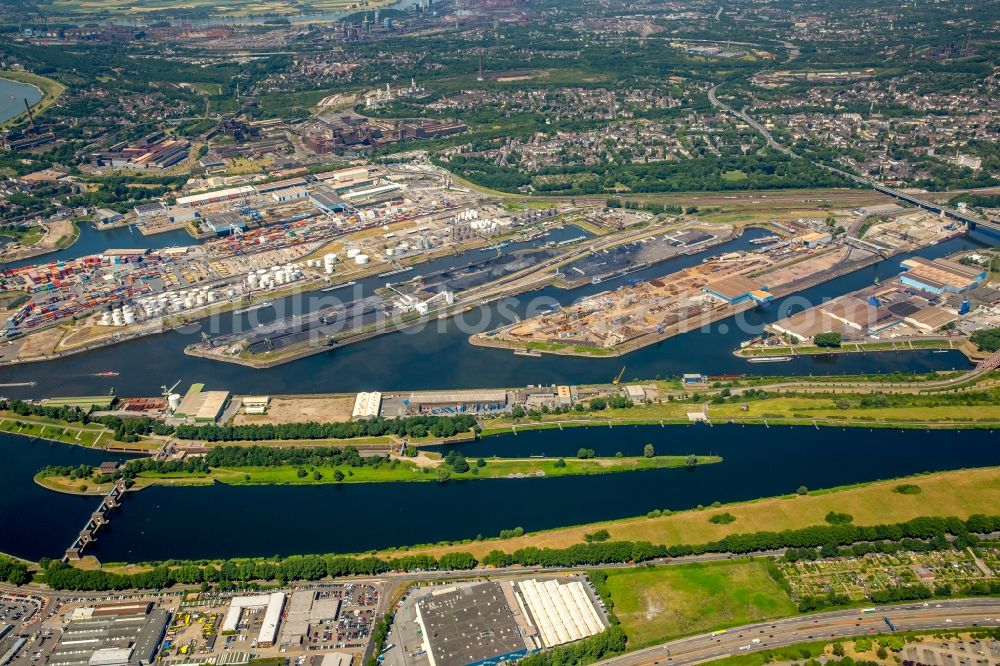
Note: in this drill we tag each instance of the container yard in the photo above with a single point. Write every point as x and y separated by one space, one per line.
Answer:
261 246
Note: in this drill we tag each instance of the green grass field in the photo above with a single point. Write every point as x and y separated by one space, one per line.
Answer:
656 604
410 472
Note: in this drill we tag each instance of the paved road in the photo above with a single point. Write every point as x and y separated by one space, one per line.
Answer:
832 625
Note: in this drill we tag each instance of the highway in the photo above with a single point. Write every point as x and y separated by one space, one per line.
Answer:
821 626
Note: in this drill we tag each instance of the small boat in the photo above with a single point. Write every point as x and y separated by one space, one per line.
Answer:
940 351
596 280
769 359
106 373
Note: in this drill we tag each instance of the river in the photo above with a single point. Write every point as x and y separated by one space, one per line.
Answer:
227 521
12 96
438 355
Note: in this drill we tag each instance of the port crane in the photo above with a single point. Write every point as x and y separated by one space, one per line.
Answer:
617 380
168 391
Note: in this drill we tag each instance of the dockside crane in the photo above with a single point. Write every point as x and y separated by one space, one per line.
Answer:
617 380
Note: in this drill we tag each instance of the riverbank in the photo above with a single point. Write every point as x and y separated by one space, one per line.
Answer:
960 493
49 88
399 470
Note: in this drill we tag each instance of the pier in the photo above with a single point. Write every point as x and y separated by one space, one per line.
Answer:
100 517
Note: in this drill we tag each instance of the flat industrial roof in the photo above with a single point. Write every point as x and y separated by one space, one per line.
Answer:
469 624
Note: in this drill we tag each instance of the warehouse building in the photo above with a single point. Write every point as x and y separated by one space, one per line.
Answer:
202 406
222 224
306 608
205 198
941 276
256 404
562 611
735 289
273 604
114 635
469 625
367 405
456 402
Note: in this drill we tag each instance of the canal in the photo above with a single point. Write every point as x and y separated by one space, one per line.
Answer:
438 355
228 521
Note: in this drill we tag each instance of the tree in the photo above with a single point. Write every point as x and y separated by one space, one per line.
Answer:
648 451
831 339
802 490
559 463
481 462
301 473
691 461
317 475
338 476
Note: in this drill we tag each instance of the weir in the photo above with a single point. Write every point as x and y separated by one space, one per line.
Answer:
97 519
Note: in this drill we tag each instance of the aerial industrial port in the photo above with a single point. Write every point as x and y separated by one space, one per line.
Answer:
800 255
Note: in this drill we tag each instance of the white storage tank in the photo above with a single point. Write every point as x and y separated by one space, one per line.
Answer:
174 401
361 259
353 252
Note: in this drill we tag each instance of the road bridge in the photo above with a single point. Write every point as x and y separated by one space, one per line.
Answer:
97 519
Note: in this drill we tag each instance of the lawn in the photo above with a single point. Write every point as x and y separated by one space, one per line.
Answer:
656 604
408 471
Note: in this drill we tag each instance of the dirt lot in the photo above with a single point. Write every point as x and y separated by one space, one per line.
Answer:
41 343
302 410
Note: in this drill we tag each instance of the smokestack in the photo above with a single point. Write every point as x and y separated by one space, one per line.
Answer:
480 67
27 107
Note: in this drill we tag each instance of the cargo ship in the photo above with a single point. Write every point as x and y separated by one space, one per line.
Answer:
339 286
769 359
261 306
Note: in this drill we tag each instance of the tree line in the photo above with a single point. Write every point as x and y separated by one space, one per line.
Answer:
61 576
410 426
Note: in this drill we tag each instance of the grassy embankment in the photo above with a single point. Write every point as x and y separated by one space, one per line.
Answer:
90 435
775 411
958 493
51 90
656 604
402 471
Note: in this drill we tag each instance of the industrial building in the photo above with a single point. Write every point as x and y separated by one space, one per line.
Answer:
205 198
456 402
202 406
306 608
939 276
734 289
470 626
112 635
367 405
560 610
256 404
273 604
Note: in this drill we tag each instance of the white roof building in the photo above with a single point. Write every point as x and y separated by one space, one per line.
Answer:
274 604
367 405
562 612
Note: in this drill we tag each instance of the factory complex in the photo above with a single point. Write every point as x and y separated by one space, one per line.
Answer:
329 625
929 298
111 635
488 623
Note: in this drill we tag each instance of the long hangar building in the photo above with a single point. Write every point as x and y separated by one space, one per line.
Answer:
485 624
